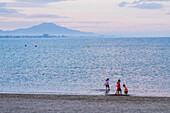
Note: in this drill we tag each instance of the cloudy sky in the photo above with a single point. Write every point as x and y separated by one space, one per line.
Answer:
113 17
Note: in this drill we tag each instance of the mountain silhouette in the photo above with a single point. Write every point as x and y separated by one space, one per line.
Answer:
45 28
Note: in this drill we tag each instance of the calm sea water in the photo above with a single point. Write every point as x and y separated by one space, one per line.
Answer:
68 66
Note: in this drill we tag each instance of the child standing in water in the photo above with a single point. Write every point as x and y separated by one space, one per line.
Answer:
107 83
118 89
126 90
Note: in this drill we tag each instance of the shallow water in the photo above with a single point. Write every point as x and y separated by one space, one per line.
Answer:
68 66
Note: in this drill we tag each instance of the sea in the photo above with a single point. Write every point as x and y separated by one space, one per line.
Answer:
80 66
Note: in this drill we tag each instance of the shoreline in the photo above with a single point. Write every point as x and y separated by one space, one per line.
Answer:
53 103
51 93
56 94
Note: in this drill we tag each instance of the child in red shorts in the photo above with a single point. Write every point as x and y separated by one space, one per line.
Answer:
118 89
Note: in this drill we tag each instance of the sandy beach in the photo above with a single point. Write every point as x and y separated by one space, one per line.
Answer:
51 103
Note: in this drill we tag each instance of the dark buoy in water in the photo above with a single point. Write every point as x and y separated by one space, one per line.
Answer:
25 45
35 45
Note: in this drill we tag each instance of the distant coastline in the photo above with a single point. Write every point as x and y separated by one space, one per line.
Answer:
66 36
33 36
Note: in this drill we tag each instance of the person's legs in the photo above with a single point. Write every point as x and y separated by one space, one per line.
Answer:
107 86
116 91
126 92
119 91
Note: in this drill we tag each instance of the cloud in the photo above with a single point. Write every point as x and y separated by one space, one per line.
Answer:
148 1
41 1
45 16
154 0
85 22
7 11
93 22
4 12
14 14
144 4
2 4
33 3
123 4
148 6
140 1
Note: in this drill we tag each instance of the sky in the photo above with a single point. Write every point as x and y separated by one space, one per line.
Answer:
111 17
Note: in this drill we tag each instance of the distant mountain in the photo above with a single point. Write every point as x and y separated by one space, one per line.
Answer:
1 31
45 28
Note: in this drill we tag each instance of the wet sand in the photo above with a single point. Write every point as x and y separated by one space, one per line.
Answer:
51 103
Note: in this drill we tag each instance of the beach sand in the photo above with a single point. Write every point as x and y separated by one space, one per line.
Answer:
51 103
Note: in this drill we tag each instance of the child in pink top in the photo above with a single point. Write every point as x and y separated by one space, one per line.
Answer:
107 83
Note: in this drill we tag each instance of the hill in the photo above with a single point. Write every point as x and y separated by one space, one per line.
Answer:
45 28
